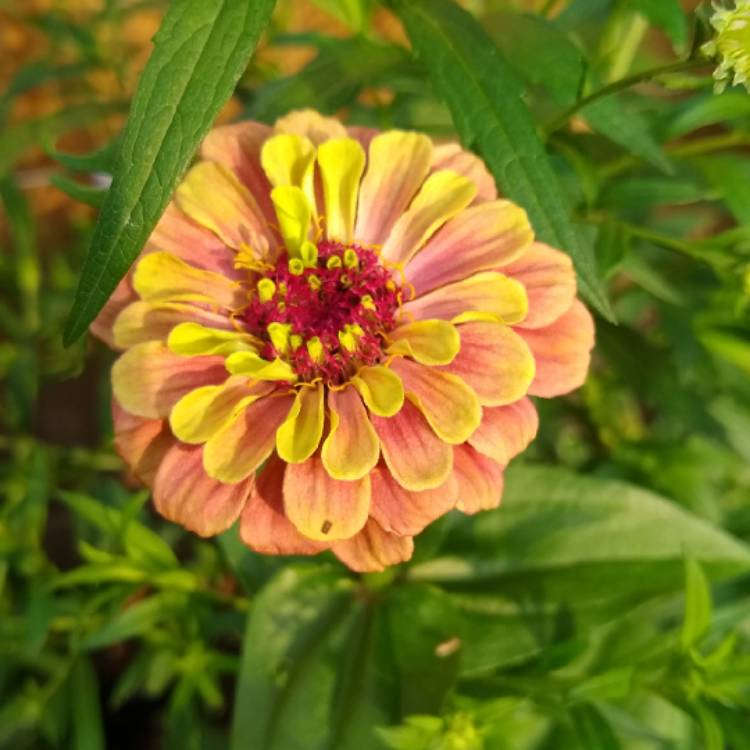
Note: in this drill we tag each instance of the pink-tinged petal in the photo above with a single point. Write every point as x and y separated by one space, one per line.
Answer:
550 282
480 480
238 147
141 443
352 447
562 352
163 277
152 321
484 295
506 431
482 238
397 165
448 404
185 494
416 457
323 508
442 195
362 134
148 380
177 234
407 513
103 324
495 361
452 156
310 124
264 526
240 447
373 549
212 196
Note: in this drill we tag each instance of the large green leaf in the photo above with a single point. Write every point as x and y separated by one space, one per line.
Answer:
200 52
484 96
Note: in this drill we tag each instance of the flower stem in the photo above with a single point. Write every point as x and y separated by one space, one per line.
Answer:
620 85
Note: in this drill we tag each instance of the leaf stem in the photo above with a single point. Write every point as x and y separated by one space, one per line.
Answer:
620 85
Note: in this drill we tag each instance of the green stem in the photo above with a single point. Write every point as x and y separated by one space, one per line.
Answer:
622 84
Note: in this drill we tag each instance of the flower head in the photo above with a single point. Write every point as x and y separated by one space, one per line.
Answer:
333 335
731 44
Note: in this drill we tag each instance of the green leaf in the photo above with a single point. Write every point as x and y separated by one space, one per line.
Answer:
200 52
484 96
593 730
88 731
730 177
314 669
91 196
698 608
353 13
134 620
542 54
19 139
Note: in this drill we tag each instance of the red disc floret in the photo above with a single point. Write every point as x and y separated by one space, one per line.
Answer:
326 312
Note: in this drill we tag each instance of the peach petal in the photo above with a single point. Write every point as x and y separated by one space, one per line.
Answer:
362 134
103 325
495 361
442 195
407 513
311 124
448 404
452 156
179 235
562 352
323 508
148 380
352 448
238 147
506 431
242 445
481 238
480 480
212 196
416 457
141 443
264 526
152 321
185 494
373 549
550 282
398 163
484 295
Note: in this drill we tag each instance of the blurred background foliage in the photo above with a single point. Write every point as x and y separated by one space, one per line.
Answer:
605 605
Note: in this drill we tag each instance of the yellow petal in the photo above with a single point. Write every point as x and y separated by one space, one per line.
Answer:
352 447
213 197
294 212
203 412
381 390
431 342
441 197
449 405
484 296
341 162
299 435
397 165
163 277
254 366
193 339
246 440
290 160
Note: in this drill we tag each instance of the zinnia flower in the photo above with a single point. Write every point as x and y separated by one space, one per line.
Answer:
357 318
731 44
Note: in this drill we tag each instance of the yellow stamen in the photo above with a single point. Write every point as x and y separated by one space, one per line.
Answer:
351 259
279 335
296 267
315 349
309 254
314 282
348 337
266 290
367 302
333 262
295 341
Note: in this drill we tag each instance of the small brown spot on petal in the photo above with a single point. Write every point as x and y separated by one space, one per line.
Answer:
326 527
